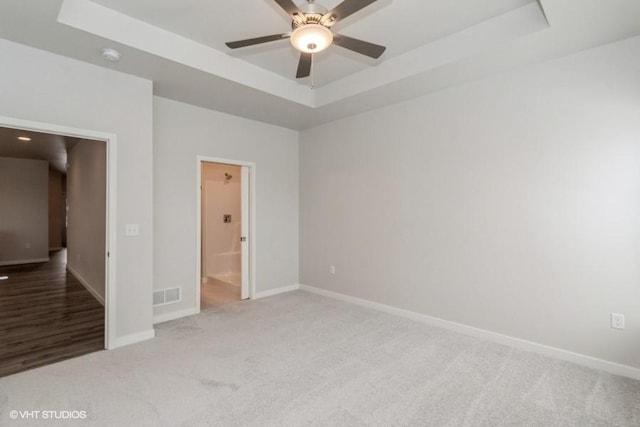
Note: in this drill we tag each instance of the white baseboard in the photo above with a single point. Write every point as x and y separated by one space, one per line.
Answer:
191 311
276 291
159 318
24 261
86 284
558 353
132 339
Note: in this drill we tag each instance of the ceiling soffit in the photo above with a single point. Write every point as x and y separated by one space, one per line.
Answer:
110 24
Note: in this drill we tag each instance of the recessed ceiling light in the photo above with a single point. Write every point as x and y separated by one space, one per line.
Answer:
111 55
4 277
24 138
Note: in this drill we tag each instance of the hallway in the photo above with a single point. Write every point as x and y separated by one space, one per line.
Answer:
46 315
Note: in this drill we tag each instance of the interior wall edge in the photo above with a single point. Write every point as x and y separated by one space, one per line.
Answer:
92 290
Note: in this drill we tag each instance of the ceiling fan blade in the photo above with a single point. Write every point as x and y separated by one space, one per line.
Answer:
257 40
304 66
344 9
288 7
365 48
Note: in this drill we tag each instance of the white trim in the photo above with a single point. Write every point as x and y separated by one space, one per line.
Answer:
558 353
111 227
24 261
276 291
86 284
160 318
132 339
252 222
245 204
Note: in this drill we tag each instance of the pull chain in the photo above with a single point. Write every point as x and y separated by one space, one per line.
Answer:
312 74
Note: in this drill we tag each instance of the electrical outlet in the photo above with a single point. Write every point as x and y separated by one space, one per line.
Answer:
132 230
617 321
332 269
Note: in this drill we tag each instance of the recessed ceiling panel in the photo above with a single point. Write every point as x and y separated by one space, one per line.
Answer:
401 25
432 44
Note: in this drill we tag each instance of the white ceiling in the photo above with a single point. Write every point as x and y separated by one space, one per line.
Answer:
432 44
43 146
400 25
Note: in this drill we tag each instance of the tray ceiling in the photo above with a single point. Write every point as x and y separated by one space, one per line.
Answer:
401 26
432 44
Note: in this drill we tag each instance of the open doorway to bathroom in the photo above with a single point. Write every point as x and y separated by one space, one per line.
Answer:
223 234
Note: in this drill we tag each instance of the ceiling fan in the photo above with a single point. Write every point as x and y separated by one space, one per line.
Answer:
311 31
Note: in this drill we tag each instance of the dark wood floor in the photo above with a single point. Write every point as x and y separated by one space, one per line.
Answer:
46 316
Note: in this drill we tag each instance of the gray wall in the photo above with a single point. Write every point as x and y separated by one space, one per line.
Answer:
510 204
24 222
56 209
45 87
86 200
182 132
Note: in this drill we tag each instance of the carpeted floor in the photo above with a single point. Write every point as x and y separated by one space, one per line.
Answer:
300 359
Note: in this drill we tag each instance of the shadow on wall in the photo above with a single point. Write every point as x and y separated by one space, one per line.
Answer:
7 240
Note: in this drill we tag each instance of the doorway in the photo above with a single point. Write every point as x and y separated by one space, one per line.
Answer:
105 254
52 248
224 232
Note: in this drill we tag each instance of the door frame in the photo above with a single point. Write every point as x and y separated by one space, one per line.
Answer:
110 140
251 252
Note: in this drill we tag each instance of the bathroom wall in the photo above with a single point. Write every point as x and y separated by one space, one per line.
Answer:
220 197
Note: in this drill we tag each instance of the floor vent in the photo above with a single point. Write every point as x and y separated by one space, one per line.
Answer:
166 296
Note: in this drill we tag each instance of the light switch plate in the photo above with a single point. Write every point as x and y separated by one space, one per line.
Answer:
132 230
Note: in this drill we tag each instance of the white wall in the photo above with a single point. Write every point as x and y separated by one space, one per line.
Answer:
43 87
181 133
24 210
510 204
86 201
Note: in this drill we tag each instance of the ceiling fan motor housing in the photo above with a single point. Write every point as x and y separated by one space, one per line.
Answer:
312 8
313 14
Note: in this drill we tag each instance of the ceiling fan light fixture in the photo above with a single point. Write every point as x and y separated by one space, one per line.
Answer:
311 38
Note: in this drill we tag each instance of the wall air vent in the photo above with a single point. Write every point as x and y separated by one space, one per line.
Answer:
167 296
171 295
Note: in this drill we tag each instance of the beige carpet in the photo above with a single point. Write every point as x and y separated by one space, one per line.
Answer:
300 359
